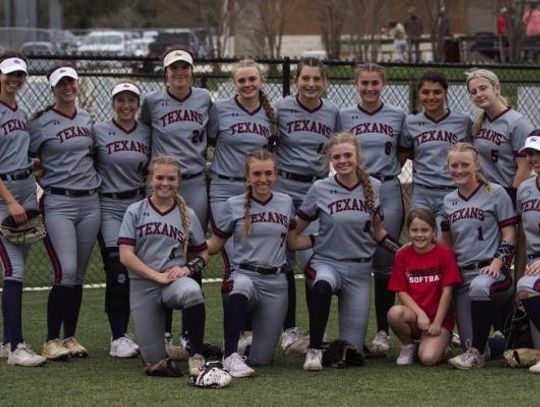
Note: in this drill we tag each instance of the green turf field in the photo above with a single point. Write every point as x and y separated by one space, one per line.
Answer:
100 380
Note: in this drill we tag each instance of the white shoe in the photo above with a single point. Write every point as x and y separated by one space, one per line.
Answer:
289 336
245 340
122 348
467 360
406 355
4 350
24 356
130 339
380 345
313 360
535 368
237 367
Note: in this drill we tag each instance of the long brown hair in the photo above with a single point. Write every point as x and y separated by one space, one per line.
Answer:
263 97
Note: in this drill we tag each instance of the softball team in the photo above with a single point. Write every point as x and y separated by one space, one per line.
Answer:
154 248
377 127
122 151
306 121
17 193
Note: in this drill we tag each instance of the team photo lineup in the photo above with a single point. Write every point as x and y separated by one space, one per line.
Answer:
298 183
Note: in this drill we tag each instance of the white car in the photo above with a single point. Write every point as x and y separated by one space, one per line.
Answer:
111 43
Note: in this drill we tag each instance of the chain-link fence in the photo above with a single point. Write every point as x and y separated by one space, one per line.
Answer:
521 85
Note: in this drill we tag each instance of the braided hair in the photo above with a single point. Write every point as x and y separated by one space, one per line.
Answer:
180 202
256 155
263 97
361 173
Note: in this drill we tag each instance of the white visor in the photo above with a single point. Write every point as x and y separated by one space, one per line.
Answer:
14 64
177 55
532 143
125 87
60 73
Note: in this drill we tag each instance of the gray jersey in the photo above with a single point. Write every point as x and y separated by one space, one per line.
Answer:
378 136
121 156
65 147
179 126
475 222
14 139
429 141
236 132
304 134
344 219
270 223
498 142
528 207
158 237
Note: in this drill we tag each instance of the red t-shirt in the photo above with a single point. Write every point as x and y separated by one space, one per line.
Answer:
423 276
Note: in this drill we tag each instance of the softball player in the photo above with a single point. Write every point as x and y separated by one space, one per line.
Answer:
528 206
306 122
377 127
346 206
178 117
17 192
423 276
499 132
155 238
237 126
480 225
258 221
122 151
427 136
62 137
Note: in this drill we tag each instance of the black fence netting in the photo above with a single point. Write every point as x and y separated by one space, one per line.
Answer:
98 75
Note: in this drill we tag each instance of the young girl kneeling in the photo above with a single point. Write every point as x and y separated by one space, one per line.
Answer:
423 275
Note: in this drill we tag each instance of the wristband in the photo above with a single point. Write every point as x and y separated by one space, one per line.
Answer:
389 243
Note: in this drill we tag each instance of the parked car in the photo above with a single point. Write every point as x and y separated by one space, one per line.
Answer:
39 48
104 43
166 38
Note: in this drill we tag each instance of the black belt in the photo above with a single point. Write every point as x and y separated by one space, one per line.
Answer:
384 178
16 175
358 259
438 188
297 177
533 256
189 176
124 195
261 270
475 266
71 192
238 179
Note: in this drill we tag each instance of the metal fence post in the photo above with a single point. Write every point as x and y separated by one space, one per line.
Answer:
286 77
